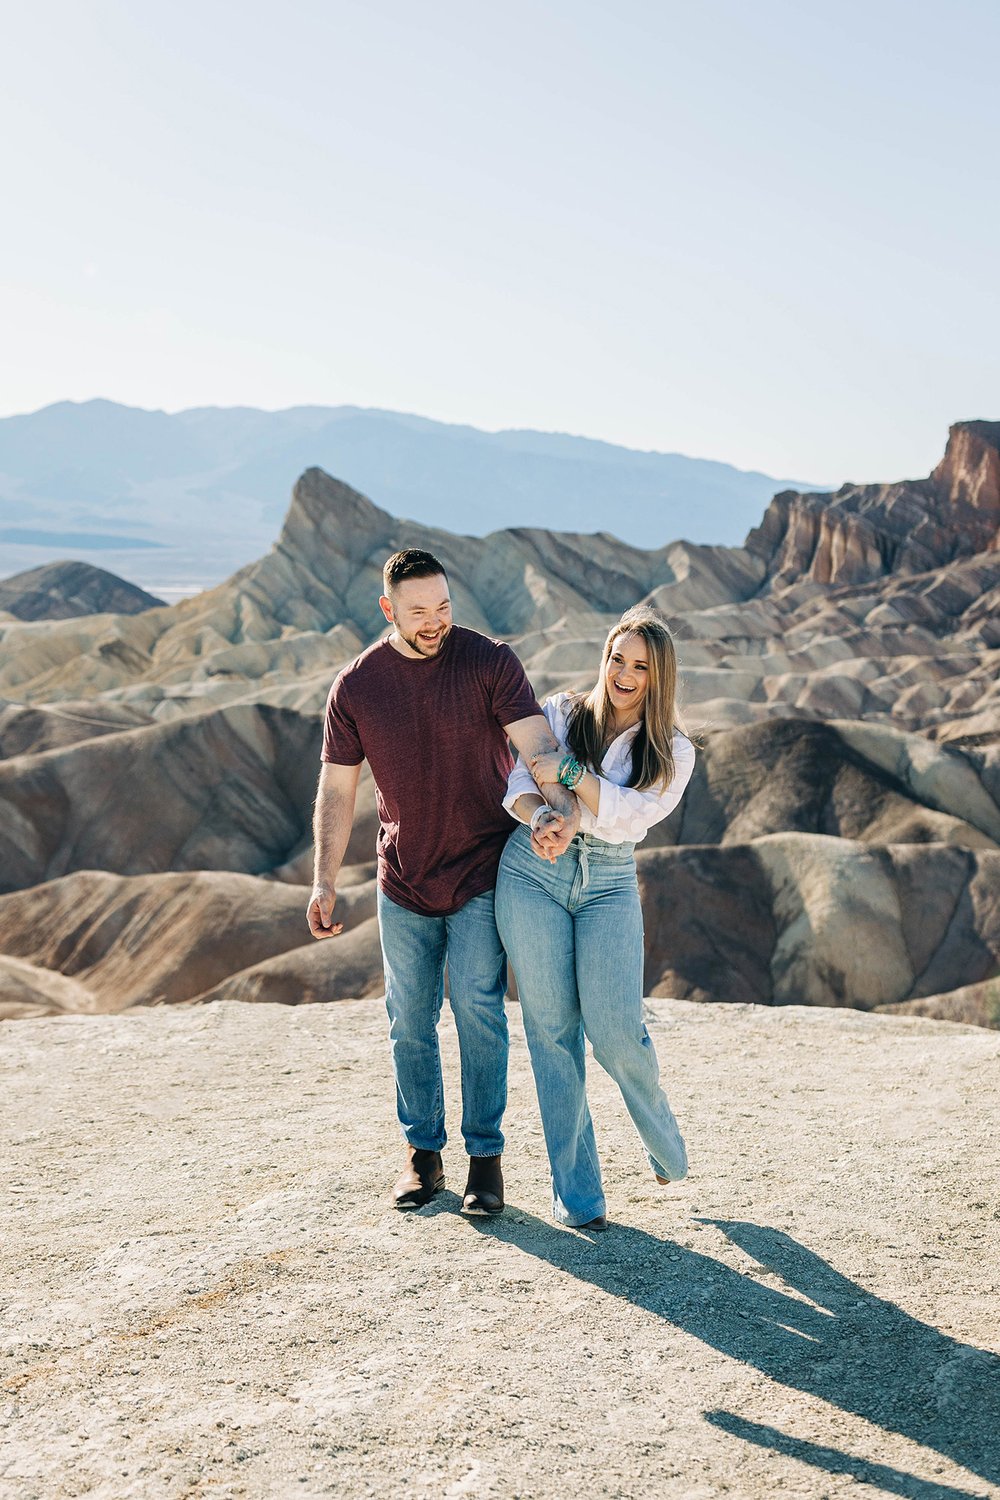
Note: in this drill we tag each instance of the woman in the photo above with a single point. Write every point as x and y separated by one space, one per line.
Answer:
572 925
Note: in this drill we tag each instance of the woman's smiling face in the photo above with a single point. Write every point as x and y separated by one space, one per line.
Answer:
626 676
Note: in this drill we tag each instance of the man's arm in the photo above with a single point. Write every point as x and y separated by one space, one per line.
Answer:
333 818
531 737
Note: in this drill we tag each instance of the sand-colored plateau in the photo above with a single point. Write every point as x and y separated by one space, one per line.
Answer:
206 1292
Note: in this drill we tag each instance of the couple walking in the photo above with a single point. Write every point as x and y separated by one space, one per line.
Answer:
432 708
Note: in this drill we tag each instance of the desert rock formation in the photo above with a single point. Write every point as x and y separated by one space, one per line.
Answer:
864 532
840 671
161 939
61 590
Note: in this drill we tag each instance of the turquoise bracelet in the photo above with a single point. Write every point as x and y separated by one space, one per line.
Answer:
570 772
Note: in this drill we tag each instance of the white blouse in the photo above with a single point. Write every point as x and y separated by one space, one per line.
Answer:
624 814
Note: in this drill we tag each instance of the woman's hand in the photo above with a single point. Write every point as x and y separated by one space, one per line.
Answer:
545 767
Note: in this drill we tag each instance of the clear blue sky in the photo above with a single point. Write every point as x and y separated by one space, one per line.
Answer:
766 233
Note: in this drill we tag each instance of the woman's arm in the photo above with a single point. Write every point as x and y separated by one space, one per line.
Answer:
589 791
632 813
624 810
531 737
525 805
545 768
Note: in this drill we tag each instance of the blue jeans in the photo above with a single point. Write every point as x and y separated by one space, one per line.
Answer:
414 949
573 931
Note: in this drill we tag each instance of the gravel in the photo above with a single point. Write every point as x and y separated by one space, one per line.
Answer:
204 1292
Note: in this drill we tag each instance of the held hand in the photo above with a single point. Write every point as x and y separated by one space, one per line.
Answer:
319 913
546 836
545 767
555 843
553 832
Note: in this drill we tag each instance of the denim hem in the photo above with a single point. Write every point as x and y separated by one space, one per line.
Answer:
662 1171
579 1223
419 1146
583 1216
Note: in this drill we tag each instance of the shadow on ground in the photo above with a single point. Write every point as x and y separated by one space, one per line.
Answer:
844 1345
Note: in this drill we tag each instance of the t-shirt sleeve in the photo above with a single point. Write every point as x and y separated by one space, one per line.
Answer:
511 695
341 740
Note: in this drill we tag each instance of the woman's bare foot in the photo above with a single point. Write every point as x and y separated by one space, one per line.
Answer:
663 1181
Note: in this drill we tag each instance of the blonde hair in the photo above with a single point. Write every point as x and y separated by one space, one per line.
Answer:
591 715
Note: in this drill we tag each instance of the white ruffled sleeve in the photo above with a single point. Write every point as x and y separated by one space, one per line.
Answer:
625 815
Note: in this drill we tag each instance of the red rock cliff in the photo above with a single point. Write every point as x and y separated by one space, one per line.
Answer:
863 532
969 473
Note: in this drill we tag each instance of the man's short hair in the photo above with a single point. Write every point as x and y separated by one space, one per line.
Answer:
410 563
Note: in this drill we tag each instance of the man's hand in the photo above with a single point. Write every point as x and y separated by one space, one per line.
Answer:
319 913
332 820
544 835
552 834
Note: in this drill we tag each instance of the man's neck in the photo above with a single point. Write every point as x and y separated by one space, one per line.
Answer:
404 648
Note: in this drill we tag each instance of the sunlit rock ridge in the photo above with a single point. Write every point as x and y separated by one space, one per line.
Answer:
840 843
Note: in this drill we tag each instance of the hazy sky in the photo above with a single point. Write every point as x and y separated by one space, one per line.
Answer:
766 233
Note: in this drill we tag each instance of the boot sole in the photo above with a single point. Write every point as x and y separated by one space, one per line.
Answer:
402 1207
475 1212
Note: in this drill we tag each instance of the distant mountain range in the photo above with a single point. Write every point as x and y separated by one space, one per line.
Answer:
207 488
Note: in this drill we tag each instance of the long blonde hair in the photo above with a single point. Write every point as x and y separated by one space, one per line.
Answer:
591 715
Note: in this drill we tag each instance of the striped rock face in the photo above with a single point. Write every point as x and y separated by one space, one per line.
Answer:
838 844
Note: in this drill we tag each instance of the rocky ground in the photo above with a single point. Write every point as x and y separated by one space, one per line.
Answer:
205 1294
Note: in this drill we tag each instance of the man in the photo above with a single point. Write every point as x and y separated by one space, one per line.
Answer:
430 708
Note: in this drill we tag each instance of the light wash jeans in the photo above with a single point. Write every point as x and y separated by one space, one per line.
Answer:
414 949
573 931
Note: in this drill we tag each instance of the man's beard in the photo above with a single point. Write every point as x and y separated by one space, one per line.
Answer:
421 647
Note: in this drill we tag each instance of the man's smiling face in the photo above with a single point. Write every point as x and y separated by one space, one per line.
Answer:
420 609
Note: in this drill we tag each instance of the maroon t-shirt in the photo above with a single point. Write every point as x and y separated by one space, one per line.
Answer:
432 731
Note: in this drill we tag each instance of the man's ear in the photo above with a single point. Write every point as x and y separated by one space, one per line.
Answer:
385 604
